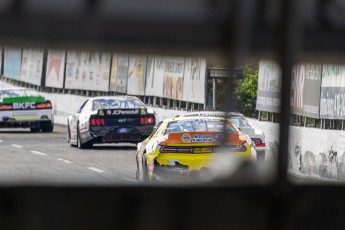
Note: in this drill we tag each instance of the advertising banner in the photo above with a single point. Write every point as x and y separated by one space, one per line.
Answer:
154 76
269 87
194 80
55 68
87 71
305 90
32 64
12 62
136 75
71 79
119 73
98 68
173 78
332 102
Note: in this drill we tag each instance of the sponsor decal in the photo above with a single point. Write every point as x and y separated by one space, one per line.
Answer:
142 111
186 138
115 112
125 112
202 138
123 130
24 105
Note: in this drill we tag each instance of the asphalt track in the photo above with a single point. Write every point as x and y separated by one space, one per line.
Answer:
47 159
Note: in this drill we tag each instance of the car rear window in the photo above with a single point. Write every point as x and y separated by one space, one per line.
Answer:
201 125
18 93
114 103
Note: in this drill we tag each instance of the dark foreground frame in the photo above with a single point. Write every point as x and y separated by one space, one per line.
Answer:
286 30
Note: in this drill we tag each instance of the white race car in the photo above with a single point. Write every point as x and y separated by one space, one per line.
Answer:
110 119
21 107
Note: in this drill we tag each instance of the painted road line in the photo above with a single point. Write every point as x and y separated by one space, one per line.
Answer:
16 146
38 153
0 141
66 161
95 169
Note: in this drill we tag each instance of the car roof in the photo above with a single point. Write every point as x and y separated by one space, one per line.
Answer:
210 113
116 97
192 117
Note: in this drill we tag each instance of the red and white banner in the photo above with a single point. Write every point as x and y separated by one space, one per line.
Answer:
55 68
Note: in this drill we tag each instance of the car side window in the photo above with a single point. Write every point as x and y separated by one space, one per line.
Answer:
83 106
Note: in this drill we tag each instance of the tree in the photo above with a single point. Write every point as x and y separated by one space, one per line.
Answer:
248 89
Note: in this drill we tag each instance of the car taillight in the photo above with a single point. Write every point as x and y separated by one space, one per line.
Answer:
6 107
147 120
44 105
167 149
95 121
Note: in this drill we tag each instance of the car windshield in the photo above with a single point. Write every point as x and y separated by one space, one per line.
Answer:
199 125
114 103
18 93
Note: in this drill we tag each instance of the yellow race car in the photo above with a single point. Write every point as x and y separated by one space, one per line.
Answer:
185 146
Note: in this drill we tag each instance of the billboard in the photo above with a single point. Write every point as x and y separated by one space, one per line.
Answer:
87 71
332 102
136 75
119 73
154 76
12 62
173 78
55 68
194 80
32 64
305 90
269 87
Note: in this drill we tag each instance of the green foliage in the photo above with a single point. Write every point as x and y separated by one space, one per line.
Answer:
243 96
248 88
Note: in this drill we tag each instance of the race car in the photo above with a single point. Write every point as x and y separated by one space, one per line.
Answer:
110 119
183 146
26 108
239 120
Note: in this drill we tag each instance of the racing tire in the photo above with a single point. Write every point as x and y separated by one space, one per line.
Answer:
47 126
34 129
145 171
81 145
68 138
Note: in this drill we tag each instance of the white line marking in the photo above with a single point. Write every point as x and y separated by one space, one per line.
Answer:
17 146
66 161
95 169
38 153
0 141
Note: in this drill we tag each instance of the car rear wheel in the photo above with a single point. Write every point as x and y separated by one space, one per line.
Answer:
34 129
81 145
47 126
145 171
